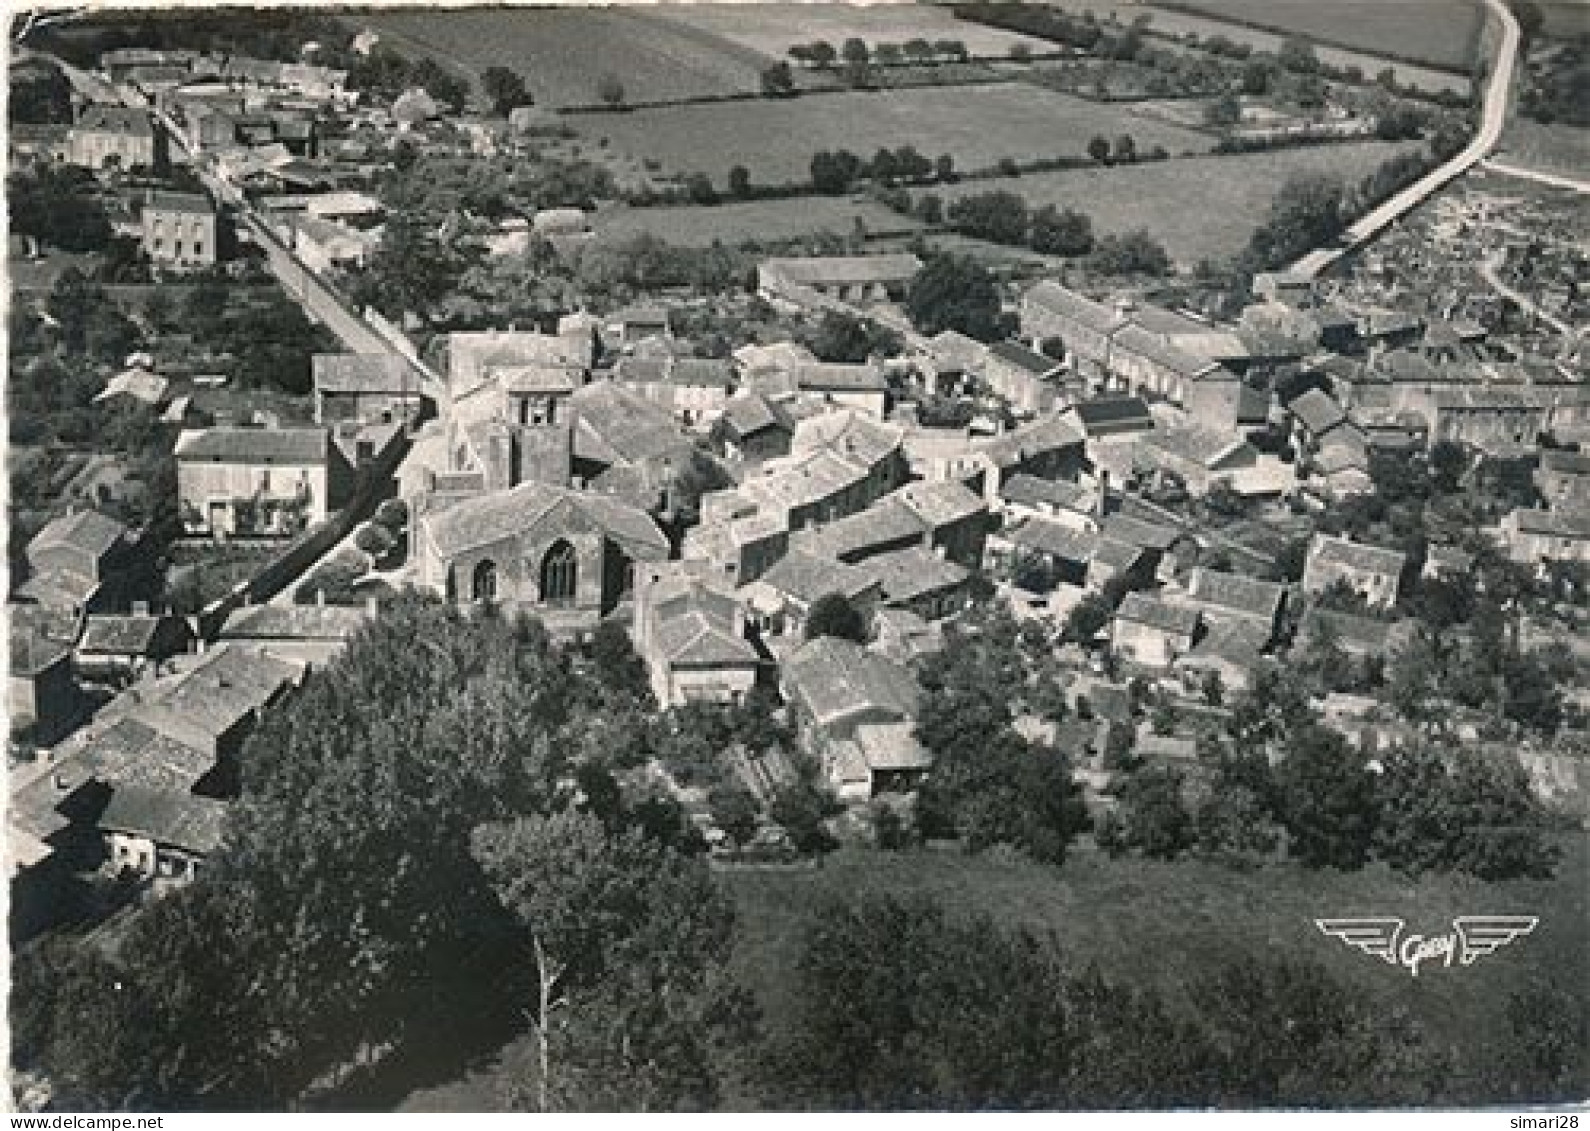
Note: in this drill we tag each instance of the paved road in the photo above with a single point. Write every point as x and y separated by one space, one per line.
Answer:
1490 271
1493 118
1556 180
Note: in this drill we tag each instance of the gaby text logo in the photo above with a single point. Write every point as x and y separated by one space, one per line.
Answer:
1473 936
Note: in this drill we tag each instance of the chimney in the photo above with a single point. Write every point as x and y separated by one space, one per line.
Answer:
320 598
371 605
140 608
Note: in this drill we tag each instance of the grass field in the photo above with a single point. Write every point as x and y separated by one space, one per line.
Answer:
1179 23
1204 207
564 52
1441 33
1146 921
1556 148
775 139
774 29
761 220
1141 920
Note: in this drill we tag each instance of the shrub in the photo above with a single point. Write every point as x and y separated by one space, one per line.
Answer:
392 514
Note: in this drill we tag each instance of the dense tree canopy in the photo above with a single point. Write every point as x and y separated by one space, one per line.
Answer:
955 293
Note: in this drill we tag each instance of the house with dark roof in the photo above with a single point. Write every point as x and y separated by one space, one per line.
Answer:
41 693
365 387
180 230
1316 414
752 428
76 563
213 704
1355 635
160 835
1051 447
1225 597
1200 457
1153 632
261 482
535 546
1373 572
690 629
115 646
1027 380
1105 417
107 134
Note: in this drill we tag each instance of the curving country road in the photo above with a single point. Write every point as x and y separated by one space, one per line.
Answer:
1493 117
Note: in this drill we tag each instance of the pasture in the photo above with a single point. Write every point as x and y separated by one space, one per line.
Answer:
1161 923
1171 23
773 29
1203 207
775 139
562 53
1440 33
1555 148
758 220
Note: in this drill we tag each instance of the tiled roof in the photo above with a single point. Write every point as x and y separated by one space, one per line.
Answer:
1205 446
1555 524
492 518
1136 340
1141 608
294 622
223 688
1565 463
1049 434
1136 532
362 373
704 372
32 653
130 753
1236 592
1053 539
88 531
824 377
1362 633
892 746
180 820
905 575
1113 414
953 349
748 414
851 537
188 203
120 635
1357 555
1318 412
693 640
845 269
1028 361
102 118
850 434
1118 555
1031 491
836 678
942 503
809 579
1065 303
287 446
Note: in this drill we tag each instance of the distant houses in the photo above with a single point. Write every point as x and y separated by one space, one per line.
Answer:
855 279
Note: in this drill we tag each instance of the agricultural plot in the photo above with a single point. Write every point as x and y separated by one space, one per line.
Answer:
1198 208
564 52
1171 23
1440 33
775 139
1557 148
773 29
759 220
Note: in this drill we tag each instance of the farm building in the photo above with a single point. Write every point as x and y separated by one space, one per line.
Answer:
859 279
